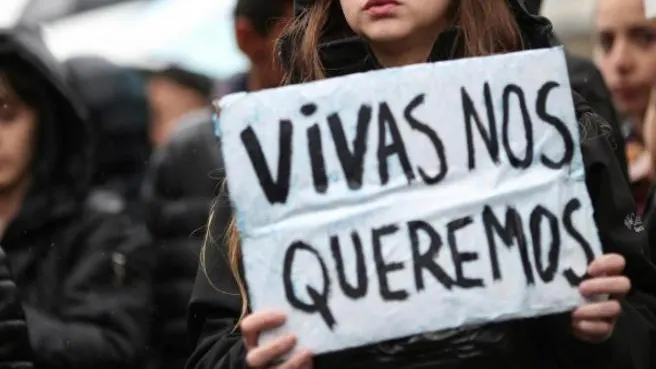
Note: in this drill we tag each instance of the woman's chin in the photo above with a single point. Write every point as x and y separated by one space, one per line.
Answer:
386 33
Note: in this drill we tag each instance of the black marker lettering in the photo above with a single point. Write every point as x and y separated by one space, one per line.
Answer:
528 127
460 258
319 301
511 231
490 138
352 161
382 268
571 276
537 215
360 290
308 109
387 122
432 136
428 260
315 147
559 125
276 191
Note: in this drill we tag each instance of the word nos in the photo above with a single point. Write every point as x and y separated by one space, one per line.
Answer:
424 186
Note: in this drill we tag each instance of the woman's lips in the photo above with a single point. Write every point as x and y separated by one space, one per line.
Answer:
380 8
627 93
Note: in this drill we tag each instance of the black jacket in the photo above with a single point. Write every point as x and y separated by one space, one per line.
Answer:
589 83
82 271
118 112
15 351
183 179
533 343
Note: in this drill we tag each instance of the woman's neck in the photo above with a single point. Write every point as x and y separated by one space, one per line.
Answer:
389 58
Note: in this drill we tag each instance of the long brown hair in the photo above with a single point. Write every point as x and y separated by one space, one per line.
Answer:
488 27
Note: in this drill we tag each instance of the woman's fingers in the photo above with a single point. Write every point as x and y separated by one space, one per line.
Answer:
616 286
609 264
300 360
263 355
255 323
593 330
606 310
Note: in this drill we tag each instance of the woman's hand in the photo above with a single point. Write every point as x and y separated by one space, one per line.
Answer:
595 322
266 355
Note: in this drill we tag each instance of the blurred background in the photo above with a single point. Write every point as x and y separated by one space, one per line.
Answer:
119 29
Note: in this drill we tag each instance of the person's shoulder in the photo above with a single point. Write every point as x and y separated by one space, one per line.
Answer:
584 75
578 63
236 83
194 127
105 211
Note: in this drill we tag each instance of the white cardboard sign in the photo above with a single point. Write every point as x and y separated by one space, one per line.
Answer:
418 199
650 9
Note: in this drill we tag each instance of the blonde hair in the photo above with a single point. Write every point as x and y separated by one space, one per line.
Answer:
489 27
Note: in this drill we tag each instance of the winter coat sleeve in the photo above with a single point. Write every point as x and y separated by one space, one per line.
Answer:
15 352
620 226
586 79
102 317
216 303
182 182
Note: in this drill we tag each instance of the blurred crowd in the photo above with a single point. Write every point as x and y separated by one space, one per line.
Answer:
108 174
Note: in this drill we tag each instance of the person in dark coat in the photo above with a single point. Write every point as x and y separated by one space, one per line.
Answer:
15 350
625 52
544 343
118 111
185 176
83 272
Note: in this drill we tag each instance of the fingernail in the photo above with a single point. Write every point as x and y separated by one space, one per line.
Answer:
290 338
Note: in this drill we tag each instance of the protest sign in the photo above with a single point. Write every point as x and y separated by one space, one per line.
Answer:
650 9
408 200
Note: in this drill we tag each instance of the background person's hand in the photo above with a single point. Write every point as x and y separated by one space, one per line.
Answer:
266 355
595 321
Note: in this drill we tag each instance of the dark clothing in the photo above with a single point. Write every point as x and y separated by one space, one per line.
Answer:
15 351
118 110
184 178
238 83
83 272
586 79
650 221
540 343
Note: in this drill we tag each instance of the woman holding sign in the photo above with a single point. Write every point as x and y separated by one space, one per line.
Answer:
338 37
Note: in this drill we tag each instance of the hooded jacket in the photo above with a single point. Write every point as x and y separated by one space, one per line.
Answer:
541 343
15 351
83 272
118 110
184 177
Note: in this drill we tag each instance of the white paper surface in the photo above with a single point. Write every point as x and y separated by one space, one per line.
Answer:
388 211
650 8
